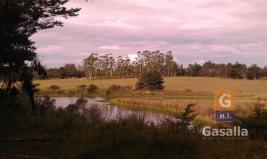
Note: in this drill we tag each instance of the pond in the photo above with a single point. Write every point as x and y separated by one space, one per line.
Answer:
111 112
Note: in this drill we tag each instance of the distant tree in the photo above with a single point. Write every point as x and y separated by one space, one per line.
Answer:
237 70
181 71
208 69
193 69
70 70
151 80
170 67
254 72
90 65
221 70
111 65
264 71
149 61
139 61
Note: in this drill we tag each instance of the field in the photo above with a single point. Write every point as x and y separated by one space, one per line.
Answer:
251 87
179 91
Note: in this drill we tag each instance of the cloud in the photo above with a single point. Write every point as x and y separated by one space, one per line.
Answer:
49 48
111 47
200 61
217 30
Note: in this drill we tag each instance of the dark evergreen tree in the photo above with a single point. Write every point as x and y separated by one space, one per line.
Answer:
19 20
28 86
151 80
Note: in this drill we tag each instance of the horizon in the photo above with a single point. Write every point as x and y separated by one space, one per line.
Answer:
132 58
189 28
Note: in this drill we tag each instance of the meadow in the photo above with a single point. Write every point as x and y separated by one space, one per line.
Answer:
250 87
178 92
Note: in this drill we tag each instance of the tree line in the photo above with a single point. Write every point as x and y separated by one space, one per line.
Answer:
235 71
106 66
97 66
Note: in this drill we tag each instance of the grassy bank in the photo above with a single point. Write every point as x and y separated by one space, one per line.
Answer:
179 91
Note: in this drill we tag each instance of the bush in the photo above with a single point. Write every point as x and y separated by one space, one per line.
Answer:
116 88
92 88
69 135
78 107
45 105
94 114
13 106
152 80
82 86
54 87
108 92
256 122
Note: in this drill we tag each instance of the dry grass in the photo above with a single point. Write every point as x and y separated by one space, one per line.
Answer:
179 91
204 107
248 87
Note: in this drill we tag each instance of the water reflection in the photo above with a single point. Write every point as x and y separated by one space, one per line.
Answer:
111 112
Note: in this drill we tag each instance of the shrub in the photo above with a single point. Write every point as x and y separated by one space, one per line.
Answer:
82 86
77 107
94 114
92 88
45 105
187 116
13 106
54 87
116 88
108 92
256 122
126 88
152 80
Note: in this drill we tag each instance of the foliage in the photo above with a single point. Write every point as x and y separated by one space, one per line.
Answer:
29 87
45 105
188 116
193 69
63 134
152 80
94 114
12 106
78 107
106 66
254 72
67 71
19 20
92 88
54 87
256 122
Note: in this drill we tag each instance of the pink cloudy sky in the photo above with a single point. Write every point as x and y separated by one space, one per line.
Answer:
195 30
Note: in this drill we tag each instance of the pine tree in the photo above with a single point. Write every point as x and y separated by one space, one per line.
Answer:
151 80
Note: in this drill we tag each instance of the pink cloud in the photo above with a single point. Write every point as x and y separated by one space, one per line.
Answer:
112 47
192 29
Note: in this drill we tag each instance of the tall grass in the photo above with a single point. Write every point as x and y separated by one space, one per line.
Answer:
60 133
